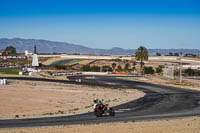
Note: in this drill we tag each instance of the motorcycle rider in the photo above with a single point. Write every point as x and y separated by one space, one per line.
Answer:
102 108
97 102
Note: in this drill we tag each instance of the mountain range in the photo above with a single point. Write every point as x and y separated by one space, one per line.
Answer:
45 46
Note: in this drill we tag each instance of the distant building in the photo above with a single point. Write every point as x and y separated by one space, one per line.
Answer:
168 71
194 67
35 60
190 55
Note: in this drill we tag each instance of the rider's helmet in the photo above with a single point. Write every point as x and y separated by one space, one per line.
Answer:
95 100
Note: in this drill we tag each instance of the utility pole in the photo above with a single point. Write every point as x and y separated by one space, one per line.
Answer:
180 71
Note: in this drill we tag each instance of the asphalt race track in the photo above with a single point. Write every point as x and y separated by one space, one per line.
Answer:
160 102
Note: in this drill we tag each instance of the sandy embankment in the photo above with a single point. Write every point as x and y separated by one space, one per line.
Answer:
184 125
41 99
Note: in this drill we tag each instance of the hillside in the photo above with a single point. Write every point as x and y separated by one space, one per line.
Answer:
45 46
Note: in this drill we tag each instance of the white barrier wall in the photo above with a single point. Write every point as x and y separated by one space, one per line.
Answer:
3 81
95 73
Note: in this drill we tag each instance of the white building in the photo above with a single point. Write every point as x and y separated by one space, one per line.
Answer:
35 60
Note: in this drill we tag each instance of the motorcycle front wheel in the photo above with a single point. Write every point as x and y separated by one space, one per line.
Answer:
98 113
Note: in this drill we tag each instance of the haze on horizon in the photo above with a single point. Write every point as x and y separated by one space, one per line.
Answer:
104 23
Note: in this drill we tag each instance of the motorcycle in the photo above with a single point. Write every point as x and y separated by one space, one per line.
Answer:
103 110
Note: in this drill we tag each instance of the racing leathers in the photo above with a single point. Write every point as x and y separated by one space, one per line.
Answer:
99 102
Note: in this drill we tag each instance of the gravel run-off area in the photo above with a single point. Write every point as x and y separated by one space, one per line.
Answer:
181 125
30 99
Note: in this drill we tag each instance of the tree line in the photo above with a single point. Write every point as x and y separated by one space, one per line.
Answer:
10 50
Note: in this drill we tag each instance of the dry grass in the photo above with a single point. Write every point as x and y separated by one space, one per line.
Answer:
184 125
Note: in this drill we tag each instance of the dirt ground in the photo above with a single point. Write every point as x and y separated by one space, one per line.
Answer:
27 99
193 84
182 125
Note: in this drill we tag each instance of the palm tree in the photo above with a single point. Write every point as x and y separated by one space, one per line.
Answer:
141 55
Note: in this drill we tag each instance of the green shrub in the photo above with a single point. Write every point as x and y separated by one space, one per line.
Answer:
106 69
119 68
95 69
189 72
159 69
86 68
16 72
148 70
91 68
126 68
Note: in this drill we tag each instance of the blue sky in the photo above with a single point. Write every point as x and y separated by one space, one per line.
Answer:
104 23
